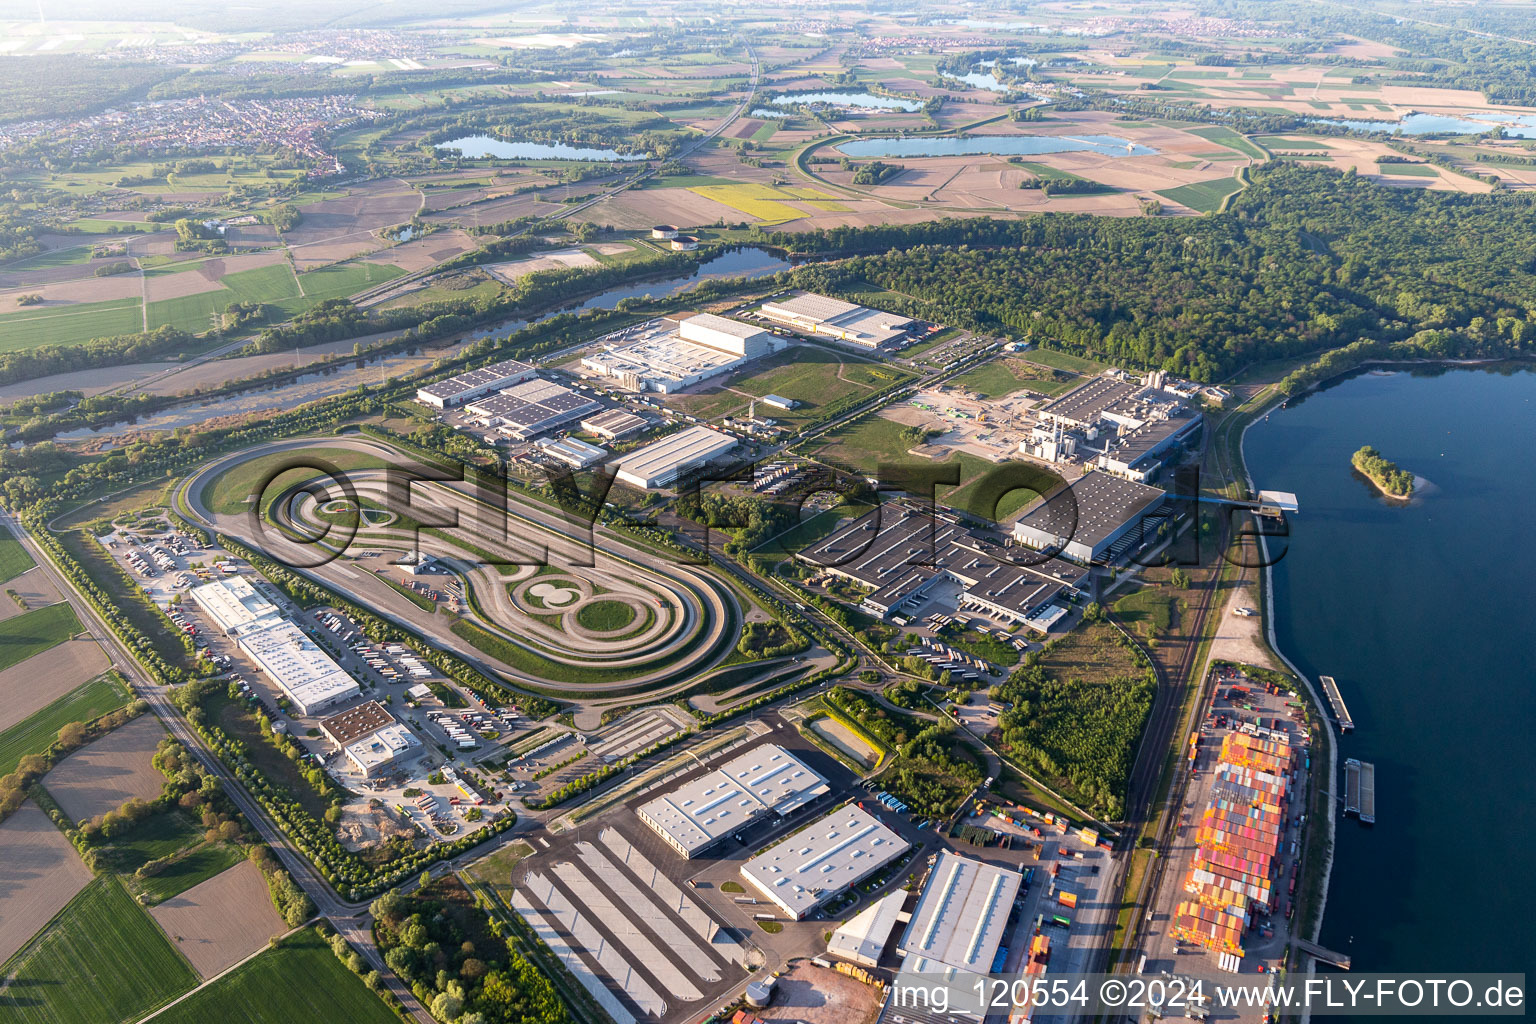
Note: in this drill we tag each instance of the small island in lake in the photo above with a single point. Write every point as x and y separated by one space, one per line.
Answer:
1393 482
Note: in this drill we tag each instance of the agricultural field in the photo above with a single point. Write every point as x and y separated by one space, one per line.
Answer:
39 874
79 970
1203 196
14 559
29 686
299 979
104 774
218 922
22 636
34 734
70 324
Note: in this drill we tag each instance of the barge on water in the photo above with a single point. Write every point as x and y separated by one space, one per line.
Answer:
1340 709
1360 790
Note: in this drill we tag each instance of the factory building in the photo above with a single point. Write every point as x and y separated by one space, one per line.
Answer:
370 737
817 863
671 354
531 408
306 674
1118 424
574 453
661 463
613 424
863 939
455 391
844 321
234 606
765 780
901 553
960 918
1098 518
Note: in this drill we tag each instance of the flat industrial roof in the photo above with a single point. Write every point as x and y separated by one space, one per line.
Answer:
613 421
382 746
813 306
1087 402
725 325
1091 508
863 939
533 404
298 665
960 918
676 453
355 723
453 386
233 603
766 779
822 860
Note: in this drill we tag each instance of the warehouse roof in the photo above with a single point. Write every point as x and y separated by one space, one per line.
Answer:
863 939
355 723
453 386
233 604
1086 403
533 405
660 462
818 862
613 422
766 779
1090 510
725 325
960 918
814 307
381 747
298 665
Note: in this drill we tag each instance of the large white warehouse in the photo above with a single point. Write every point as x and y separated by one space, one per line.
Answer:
234 606
815 864
305 673
660 463
446 394
765 780
668 355
960 918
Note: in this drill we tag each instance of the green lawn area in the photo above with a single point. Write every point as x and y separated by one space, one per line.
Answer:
33 734
866 442
1062 360
968 497
70 256
158 835
1225 136
1408 170
299 979
1149 607
764 133
1202 196
14 559
1049 173
227 493
69 324
604 616
101 961
816 377
33 632
1004 376
1283 142
199 865
340 281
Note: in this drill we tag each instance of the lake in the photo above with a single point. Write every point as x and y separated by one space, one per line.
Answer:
982 79
1518 125
850 100
1423 613
994 145
476 147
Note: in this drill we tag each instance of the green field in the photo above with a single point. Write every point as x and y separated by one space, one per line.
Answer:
1225 136
101 961
605 616
226 493
29 633
14 559
201 864
1004 376
866 442
299 980
158 835
1280 142
1408 170
1062 360
811 375
1049 173
37 731
1202 196
1149 607
69 324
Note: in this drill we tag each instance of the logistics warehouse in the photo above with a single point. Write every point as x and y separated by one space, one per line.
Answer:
765 780
814 865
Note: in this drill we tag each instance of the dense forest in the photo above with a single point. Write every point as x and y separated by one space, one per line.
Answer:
1306 260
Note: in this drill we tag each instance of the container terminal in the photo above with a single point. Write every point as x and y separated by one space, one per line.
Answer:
1360 790
1340 709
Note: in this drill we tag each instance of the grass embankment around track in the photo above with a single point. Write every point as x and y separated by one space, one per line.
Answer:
229 493
102 960
298 979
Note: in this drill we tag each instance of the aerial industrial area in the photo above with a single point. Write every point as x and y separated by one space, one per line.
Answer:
563 516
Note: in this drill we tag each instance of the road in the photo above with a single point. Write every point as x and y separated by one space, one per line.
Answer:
350 919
